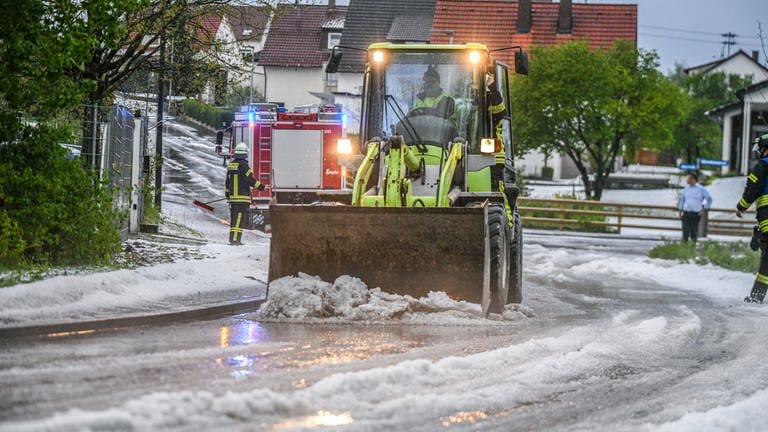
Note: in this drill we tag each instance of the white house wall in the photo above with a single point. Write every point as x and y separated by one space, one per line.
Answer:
292 86
744 66
348 93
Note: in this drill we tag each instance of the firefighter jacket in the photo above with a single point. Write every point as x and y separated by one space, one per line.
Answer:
239 181
498 110
756 191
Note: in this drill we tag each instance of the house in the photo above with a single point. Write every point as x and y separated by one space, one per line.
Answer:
738 134
370 21
249 26
214 30
296 50
525 23
739 130
738 63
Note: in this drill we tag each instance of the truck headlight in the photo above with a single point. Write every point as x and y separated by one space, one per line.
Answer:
344 146
490 145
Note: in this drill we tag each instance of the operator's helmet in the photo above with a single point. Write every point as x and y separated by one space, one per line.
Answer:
241 149
431 76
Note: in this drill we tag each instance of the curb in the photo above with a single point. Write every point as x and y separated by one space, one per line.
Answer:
64 329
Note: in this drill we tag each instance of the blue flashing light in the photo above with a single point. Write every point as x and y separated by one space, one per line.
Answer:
344 118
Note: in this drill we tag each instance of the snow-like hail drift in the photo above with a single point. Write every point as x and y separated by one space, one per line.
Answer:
348 299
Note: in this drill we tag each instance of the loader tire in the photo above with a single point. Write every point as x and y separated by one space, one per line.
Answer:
497 222
516 263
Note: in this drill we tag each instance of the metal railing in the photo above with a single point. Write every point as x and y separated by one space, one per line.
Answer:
572 214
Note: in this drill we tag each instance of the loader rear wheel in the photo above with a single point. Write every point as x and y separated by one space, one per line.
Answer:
499 270
516 264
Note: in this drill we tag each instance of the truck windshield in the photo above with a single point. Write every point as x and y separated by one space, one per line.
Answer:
428 97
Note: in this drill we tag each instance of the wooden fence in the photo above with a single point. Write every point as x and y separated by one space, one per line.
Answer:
584 215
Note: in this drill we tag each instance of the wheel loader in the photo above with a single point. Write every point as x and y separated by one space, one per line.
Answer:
433 206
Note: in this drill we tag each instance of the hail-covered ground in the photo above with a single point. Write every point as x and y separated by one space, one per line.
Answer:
606 339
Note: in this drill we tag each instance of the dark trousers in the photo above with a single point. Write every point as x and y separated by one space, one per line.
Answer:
237 214
690 225
761 279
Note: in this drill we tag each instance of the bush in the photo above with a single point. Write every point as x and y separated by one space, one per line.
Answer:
730 255
207 114
52 211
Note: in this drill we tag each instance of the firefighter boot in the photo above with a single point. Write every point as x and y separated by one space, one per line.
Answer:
758 293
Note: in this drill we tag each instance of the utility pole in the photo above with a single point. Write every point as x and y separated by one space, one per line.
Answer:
730 39
159 126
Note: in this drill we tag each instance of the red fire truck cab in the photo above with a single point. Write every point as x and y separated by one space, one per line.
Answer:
292 153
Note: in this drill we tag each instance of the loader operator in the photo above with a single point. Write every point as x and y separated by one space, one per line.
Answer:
433 96
237 190
756 190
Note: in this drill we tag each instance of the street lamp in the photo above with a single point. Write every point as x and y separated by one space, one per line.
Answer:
250 58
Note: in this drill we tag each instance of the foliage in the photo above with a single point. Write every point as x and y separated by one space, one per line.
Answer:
592 104
56 210
697 135
40 41
207 114
565 221
730 255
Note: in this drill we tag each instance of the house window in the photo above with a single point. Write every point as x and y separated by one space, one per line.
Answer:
333 39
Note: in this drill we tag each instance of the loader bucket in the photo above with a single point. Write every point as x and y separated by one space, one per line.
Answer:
399 249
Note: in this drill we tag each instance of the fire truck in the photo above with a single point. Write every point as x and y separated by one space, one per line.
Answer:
293 153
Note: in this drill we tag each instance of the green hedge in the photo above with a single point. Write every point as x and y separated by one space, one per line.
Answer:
207 114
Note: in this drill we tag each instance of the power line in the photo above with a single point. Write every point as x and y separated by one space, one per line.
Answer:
708 41
689 31
680 30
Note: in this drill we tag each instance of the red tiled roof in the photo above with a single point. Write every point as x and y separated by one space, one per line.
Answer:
494 23
206 30
296 37
248 22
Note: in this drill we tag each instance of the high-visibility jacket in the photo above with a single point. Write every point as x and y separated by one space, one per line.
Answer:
443 103
239 181
756 191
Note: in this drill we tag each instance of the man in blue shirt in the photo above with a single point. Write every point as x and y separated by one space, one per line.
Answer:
694 200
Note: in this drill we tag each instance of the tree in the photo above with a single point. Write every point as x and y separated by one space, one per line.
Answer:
592 104
39 42
696 135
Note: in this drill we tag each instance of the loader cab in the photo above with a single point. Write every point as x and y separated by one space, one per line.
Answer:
430 96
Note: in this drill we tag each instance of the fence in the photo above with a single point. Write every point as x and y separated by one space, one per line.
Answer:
114 143
570 214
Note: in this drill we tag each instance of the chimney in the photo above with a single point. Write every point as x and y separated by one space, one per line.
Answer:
524 16
756 56
565 17
331 6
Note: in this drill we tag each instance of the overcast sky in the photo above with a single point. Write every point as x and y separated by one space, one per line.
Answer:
689 31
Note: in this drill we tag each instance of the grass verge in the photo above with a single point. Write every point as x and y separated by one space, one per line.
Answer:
729 255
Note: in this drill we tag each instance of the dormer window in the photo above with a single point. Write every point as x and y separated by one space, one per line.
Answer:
333 39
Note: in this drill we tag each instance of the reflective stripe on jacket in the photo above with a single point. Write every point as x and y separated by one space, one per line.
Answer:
237 187
756 191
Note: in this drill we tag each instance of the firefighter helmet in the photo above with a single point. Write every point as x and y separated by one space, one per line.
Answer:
241 149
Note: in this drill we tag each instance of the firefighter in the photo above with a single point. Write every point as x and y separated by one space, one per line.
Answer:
237 190
433 96
497 109
756 190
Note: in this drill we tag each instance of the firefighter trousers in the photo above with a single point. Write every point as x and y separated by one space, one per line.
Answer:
761 279
238 212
